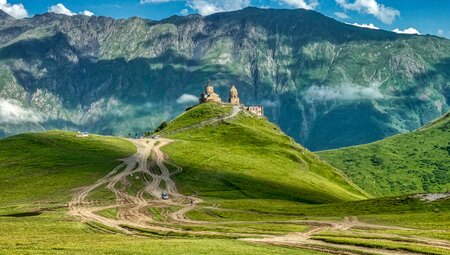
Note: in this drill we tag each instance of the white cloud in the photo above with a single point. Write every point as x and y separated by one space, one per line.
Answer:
60 9
187 98
12 112
343 92
87 13
441 32
341 15
207 7
305 4
410 31
385 14
370 26
17 11
184 12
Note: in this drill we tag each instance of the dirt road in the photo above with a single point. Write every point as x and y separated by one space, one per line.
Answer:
306 239
234 112
133 209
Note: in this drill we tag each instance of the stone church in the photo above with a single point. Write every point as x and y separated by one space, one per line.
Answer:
209 96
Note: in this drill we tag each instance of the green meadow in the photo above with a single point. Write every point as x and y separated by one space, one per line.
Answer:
417 162
249 157
45 167
253 179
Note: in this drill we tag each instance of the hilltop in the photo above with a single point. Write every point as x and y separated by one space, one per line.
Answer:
416 162
325 83
246 157
225 153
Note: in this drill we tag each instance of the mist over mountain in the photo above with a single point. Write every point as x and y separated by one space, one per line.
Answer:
326 83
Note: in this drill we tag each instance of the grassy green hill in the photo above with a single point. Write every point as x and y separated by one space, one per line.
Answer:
407 163
38 175
253 179
43 168
246 157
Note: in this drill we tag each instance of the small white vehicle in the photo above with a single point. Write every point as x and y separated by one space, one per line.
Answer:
165 196
82 134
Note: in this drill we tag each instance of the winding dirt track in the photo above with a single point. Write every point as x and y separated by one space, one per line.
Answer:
133 210
235 110
305 239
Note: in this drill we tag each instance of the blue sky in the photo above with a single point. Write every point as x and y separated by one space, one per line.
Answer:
423 16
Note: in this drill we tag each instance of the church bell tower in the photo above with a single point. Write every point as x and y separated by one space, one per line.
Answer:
234 97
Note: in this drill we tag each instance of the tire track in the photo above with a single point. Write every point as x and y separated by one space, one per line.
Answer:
133 210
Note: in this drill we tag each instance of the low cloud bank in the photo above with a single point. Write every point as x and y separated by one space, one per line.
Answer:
11 112
343 92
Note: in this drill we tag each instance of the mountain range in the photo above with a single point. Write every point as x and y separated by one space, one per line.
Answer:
325 83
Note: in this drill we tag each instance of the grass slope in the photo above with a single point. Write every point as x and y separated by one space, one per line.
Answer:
189 118
246 167
407 163
45 167
404 211
250 158
38 173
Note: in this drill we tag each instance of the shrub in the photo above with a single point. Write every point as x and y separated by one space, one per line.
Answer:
377 161
161 126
